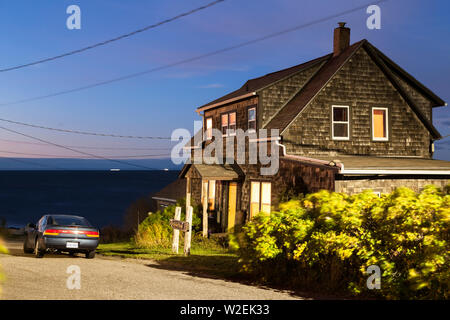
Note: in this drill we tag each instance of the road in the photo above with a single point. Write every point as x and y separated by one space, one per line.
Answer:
113 278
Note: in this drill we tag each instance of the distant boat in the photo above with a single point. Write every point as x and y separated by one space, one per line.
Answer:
165 169
114 169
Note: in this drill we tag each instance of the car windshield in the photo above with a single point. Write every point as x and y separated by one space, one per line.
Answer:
68 221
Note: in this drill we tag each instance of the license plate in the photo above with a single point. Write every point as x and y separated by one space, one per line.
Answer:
71 244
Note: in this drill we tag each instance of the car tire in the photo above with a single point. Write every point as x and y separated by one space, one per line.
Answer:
38 253
26 249
90 254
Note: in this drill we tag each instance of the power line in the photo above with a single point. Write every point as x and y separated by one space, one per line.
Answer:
78 151
83 132
212 53
83 147
113 39
64 157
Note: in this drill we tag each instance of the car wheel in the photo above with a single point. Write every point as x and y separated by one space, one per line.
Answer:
37 251
90 254
26 249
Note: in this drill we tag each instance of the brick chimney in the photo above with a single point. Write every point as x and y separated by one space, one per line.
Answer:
341 39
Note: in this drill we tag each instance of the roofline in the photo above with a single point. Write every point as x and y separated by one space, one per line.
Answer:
393 171
373 53
437 100
361 43
200 109
164 199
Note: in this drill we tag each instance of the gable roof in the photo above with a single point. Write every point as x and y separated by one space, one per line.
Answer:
286 115
255 84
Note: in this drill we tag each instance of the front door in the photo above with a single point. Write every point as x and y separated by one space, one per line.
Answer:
232 194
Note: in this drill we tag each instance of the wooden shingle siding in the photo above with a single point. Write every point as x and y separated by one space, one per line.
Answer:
275 96
361 85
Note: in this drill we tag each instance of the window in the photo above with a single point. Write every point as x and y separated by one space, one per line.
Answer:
260 197
380 124
208 128
209 192
232 124
340 123
252 119
229 124
224 124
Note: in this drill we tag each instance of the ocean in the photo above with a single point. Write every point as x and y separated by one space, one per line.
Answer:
100 196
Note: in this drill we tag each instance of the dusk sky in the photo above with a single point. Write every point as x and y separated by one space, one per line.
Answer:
415 34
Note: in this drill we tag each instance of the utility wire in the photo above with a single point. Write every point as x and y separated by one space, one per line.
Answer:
78 151
113 39
212 53
60 156
83 132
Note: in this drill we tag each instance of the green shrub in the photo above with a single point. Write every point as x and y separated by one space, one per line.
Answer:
2 277
327 240
155 230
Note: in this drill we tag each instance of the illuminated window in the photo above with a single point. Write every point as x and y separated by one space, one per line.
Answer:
260 197
209 192
209 128
252 119
229 124
380 124
224 124
340 123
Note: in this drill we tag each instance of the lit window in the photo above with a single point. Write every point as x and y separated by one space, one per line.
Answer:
380 124
209 128
252 119
232 124
340 126
224 123
211 194
260 197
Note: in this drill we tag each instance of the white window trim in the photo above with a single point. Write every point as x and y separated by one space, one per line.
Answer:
343 122
386 124
228 134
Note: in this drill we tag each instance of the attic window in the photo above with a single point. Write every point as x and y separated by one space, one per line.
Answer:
252 119
380 124
340 128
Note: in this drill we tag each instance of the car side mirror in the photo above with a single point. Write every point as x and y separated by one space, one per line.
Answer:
31 226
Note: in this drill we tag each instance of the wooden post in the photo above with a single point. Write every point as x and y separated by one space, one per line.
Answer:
176 232
205 210
188 193
187 234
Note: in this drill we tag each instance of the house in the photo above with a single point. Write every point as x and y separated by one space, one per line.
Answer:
348 121
170 194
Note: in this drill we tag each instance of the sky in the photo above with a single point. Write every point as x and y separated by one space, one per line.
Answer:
414 34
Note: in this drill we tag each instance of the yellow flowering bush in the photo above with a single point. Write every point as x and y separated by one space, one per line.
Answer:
2 277
328 240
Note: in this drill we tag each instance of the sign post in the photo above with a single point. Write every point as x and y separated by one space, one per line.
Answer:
185 226
176 232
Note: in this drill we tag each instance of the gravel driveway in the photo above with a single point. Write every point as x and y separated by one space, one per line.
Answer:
113 278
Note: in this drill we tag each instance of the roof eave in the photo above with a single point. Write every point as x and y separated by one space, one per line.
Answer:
218 104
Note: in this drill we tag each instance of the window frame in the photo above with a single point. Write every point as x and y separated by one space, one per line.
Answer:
248 118
208 136
340 122
386 123
260 197
227 114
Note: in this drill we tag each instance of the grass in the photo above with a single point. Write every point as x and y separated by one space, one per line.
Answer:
207 257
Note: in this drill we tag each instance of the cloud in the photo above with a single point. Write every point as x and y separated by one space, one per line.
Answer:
212 86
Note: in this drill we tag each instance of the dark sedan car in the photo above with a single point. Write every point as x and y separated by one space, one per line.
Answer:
63 233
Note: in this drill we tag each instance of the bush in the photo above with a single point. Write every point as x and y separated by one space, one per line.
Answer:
2 277
328 240
155 230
